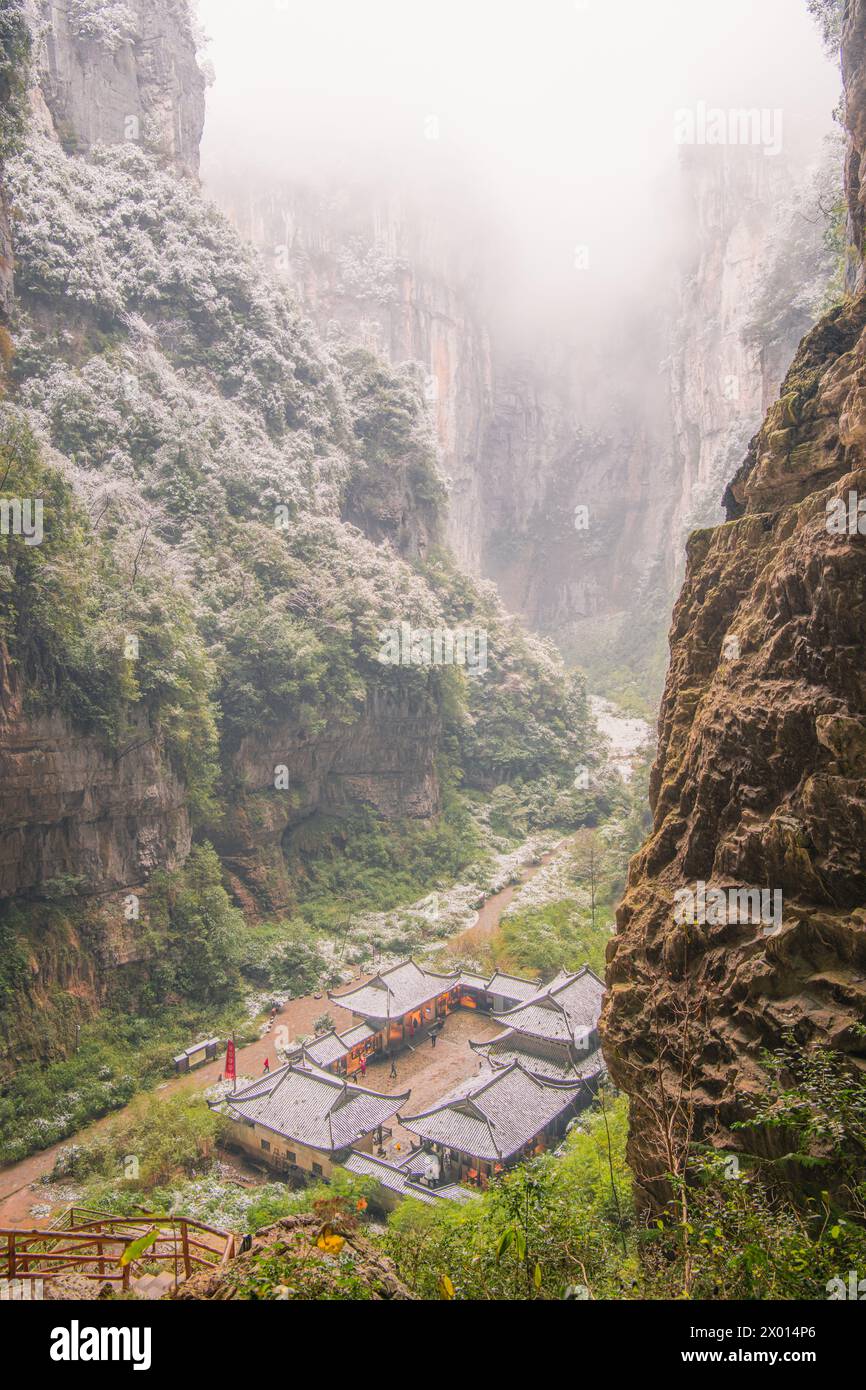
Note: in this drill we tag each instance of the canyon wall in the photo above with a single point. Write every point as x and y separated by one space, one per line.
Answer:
88 816
73 809
760 780
642 427
383 273
384 761
113 73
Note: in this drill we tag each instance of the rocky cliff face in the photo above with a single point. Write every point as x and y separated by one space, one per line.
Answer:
72 810
71 807
378 272
760 781
642 430
383 762
88 815
113 72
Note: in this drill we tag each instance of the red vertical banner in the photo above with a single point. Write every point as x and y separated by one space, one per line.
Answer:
230 1072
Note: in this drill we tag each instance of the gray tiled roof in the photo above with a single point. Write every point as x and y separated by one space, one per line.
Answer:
394 1178
359 1034
395 991
313 1107
472 981
540 1056
507 986
329 1047
326 1049
566 1010
414 1163
453 1192
496 1116
512 987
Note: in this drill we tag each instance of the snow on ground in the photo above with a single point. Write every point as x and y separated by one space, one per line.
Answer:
625 735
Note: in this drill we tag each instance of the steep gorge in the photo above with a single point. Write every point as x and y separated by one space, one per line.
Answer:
760 780
233 514
641 423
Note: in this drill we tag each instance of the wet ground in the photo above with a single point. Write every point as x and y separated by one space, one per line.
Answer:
429 1072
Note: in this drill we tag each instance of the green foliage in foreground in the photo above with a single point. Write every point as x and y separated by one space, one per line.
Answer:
563 1215
191 1186
156 1139
567 1226
564 1225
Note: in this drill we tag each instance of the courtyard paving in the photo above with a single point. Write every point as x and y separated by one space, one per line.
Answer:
431 1072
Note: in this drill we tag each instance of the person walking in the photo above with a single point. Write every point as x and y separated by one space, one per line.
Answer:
433 1036
267 1065
363 1068
393 1071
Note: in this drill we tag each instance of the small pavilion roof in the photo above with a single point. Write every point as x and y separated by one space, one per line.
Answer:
566 1010
329 1047
471 981
358 1034
496 1116
326 1049
395 991
509 986
313 1107
397 1179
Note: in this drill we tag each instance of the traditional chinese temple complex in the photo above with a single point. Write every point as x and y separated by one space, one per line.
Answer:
538 1073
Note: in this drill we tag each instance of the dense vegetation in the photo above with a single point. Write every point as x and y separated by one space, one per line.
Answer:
231 460
567 1224
232 515
187 981
15 47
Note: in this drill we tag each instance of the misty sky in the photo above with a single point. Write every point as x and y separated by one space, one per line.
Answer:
555 120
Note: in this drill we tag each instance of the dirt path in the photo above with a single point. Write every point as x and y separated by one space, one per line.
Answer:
486 924
429 1076
298 1016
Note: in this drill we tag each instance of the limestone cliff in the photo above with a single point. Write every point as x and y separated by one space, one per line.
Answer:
384 761
381 272
642 426
760 781
113 72
234 512
90 809
73 809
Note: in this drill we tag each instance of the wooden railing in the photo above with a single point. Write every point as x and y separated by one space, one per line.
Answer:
94 1244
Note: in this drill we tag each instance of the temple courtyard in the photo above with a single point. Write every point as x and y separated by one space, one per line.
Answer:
430 1072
